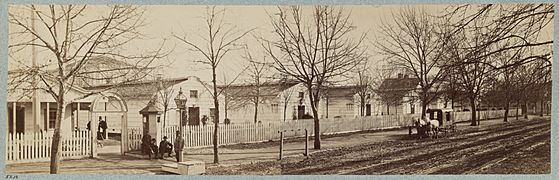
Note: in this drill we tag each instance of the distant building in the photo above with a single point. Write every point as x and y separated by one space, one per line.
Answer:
345 102
278 101
399 96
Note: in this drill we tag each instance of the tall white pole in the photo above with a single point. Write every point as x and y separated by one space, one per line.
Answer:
36 105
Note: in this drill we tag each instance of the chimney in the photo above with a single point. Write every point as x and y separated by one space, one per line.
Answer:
400 75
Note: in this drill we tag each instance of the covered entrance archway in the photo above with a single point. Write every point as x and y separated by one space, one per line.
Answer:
110 108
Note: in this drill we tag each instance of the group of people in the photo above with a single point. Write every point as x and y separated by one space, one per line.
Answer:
149 147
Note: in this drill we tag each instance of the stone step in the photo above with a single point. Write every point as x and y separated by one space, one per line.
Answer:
185 168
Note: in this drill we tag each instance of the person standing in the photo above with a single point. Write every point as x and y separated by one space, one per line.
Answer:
179 145
102 125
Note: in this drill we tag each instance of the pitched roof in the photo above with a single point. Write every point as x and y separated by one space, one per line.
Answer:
398 84
266 89
342 91
143 89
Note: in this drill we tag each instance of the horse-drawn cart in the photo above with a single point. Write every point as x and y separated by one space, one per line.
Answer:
437 120
445 118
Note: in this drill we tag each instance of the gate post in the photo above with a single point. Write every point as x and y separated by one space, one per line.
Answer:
93 132
124 147
281 145
306 142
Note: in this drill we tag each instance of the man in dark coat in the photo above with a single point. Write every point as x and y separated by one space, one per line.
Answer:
102 125
153 149
179 145
165 147
146 143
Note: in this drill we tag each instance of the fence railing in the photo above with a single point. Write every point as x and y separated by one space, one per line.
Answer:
466 115
31 147
134 138
201 136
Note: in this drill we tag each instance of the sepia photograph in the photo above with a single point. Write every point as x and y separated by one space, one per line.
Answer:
271 90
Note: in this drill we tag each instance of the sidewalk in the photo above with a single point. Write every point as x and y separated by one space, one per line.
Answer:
230 155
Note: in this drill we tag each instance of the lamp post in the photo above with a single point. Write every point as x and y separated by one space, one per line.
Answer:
180 100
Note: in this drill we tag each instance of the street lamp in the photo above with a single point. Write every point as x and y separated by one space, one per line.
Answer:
180 100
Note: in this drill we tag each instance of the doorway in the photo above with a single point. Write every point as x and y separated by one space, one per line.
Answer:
194 116
300 111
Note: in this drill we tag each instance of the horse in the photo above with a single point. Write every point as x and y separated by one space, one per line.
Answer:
433 128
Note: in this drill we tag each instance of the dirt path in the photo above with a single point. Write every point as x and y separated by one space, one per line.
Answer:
489 149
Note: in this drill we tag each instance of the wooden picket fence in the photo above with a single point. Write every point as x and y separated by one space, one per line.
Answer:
134 138
235 133
466 115
201 136
33 147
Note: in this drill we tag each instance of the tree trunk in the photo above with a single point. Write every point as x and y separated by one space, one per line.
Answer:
473 111
56 146
314 104
525 107
284 111
165 109
216 115
256 110
423 109
507 105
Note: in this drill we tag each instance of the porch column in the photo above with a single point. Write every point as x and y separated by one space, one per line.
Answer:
78 116
48 116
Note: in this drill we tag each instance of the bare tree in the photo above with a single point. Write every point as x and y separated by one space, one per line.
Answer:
483 33
219 41
363 82
72 39
504 27
286 94
257 71
413 43
313 48
165 92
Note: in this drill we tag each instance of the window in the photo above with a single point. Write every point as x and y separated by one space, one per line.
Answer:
412 108
193 93
275 108
349 106
52 118
301 94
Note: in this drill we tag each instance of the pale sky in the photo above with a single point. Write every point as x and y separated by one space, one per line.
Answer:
165 20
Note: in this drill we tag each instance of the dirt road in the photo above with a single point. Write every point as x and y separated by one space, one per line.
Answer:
519 147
